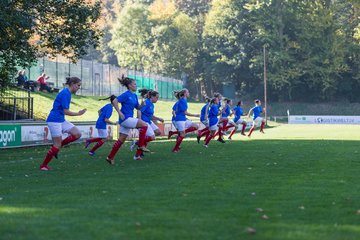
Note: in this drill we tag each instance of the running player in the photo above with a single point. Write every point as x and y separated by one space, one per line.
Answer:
238 112
204 120
129 101
57 123
214 112
104 118
147 115
180 117
257 120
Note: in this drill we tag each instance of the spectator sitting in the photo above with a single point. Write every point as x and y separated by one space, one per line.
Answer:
20 78
28 84
43 86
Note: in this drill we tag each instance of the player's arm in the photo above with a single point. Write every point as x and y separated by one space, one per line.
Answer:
109 122
115 103
250 112
157 119
191 114
71 113
206 113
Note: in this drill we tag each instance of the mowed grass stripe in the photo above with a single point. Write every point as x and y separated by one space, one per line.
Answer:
309 189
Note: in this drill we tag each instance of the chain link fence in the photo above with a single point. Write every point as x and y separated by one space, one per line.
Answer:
100 79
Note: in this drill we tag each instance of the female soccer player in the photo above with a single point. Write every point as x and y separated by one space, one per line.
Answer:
188 124
238 112
129 101
57 123
104 117
204 120
180 117
214 112
257 110
147 115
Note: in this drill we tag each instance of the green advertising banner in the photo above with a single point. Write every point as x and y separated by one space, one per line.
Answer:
10 135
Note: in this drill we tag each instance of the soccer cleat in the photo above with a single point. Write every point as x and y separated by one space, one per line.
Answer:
229 138
56 156
132 146
87 143
144 149
262 131
137 158
170 134
198 139
176 150
221 140
44 168
110 161
243 134
206 146
91 153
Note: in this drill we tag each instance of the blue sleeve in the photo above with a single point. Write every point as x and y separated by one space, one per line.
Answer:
108 112
137 102
121 98
65 101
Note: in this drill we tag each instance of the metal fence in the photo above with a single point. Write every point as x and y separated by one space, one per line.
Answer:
100 79
16 103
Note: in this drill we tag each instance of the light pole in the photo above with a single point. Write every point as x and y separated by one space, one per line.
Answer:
265 90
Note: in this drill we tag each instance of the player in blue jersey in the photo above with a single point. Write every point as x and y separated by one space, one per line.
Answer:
257 119
104 118
204 119
214 112
57 123
223 121
180 117
129 102
238 112
147 115
189 126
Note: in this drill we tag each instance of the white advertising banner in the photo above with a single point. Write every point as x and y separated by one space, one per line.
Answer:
40 134
298 119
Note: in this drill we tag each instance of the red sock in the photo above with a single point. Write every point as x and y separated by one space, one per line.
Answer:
97 145
262 126
115 148
208 138
142 135
148 139
232 132
68 140
190 129
220 134
178 142
206 132
52 152
225 122
251 130
217 132
228 127
243 128
173 133
91 140
138 152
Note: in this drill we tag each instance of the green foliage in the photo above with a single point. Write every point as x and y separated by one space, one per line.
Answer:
30 28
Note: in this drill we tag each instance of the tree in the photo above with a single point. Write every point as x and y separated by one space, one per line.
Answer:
33 28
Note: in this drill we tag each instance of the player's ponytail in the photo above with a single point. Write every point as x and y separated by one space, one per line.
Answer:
144 93
239 103
112 97
125 81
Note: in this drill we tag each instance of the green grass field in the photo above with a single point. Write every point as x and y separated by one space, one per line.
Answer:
305 178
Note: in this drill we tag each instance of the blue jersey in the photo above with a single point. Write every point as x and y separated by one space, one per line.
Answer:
62 101
256 111
128 101
174 109
226 113
238 113
203 112
147 111
213 114
105 112
181 108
